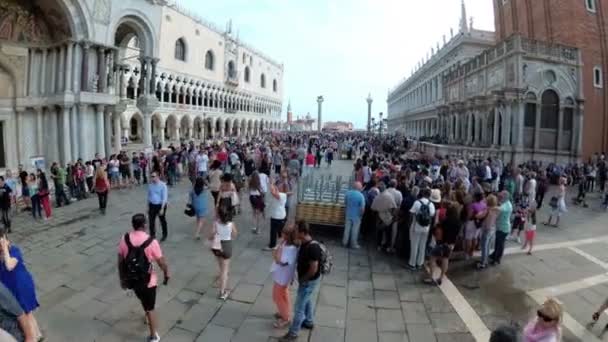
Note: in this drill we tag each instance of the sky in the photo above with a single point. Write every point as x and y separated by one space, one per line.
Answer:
343 49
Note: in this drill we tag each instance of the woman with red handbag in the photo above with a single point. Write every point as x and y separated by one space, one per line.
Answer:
44 193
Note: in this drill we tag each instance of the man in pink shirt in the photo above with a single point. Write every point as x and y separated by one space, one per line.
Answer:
137 253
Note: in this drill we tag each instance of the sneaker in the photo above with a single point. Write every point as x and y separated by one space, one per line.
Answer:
254 230
411 268
224 295
269 249
356 247
518 239
154 338
289 337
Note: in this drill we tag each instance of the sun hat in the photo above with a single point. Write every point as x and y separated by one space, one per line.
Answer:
435 196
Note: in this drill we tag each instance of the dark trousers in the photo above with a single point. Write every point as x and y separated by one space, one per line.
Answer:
36 206
60 197
90 184
155 210
276 228
6 219
144 174
103 199
499 247
539 199
277 169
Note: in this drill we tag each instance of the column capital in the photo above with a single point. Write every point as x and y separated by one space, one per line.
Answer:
100 108
86 45
39 109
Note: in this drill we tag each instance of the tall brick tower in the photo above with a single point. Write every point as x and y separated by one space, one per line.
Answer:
578 23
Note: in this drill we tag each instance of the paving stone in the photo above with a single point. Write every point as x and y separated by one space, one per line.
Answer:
246 292
231 314
386 300
199 316
361 331
409 293
216 333
392 337
360 289
414 313
332 296
336 278
383 281
421 332
437 303
447 323
330 316
456 337
321 333
179 335
255 329
361 309
390 320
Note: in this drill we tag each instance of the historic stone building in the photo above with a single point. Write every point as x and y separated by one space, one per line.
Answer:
485 93
77 77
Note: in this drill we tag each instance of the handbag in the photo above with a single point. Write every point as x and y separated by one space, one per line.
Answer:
189 211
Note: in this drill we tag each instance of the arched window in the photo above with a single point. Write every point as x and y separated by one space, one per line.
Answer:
567 125
274 85
231 70
263 81
247 74
548 120
597 77
180 49
529 120
209 60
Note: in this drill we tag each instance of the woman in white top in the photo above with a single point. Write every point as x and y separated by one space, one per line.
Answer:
283 271
223 232
278 215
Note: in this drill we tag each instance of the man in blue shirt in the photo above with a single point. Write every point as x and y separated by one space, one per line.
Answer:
157 204
355 207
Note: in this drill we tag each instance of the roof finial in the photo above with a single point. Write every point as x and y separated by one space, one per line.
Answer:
463 18
289 106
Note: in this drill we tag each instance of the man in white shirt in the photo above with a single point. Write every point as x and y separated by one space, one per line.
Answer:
423 211
398 197
202 163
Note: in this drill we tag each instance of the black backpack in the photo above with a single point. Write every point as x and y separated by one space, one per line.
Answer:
136 266
327 259
423 215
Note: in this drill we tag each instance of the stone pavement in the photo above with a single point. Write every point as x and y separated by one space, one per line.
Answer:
368 297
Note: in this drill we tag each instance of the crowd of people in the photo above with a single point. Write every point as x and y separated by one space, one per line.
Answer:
425 209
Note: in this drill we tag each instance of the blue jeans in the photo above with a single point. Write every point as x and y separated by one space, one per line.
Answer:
351 232
303 308
486 239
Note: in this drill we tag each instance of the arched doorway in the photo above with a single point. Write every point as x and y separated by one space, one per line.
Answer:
185 128
171 128
136 128
198 128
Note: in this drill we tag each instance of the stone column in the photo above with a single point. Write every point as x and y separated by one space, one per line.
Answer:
74 136
99 128
122 93
506 127
191 131
560 128
20 143
61 65
161 129
76 67
53 134
579 133
154 62
519 119
43 77
101 71
68 67
537 127
147 131
66 144
496 127
52 84
33 72
39 130
83 142
319 113
117 132
108 131
84 79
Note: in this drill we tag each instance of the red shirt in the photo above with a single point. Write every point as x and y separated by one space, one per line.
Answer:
310 159
222 156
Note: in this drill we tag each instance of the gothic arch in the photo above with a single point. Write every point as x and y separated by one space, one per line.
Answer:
136 23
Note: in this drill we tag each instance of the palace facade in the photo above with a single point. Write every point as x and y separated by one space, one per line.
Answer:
505 94
78 77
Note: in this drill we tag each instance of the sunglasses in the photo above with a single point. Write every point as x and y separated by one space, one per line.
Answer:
544 317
